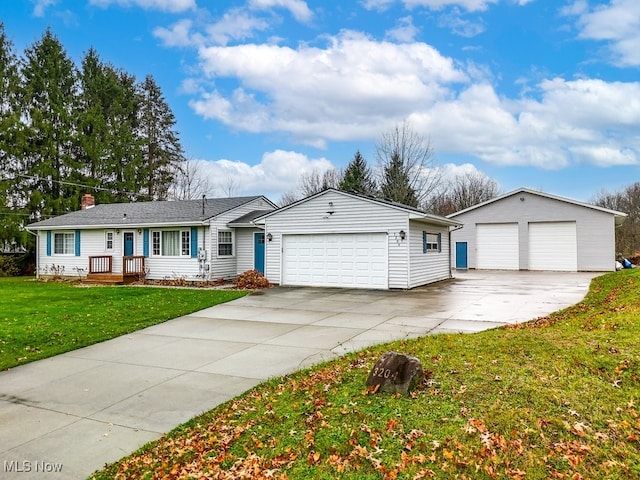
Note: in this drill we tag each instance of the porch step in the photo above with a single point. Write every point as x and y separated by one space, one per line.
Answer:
110 278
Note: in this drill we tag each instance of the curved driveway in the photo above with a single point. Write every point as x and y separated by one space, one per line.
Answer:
67 416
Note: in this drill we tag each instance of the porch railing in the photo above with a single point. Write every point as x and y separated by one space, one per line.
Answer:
133 265
101 264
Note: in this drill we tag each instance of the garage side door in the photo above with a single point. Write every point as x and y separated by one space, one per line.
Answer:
358 260
497 246
553 246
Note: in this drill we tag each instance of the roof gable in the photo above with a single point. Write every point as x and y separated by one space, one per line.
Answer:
617 214
148 213
414 213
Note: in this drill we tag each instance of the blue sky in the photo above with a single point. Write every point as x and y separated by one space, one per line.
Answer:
537 93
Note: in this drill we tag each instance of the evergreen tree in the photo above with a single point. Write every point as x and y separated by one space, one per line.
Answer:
162 152
49 92
396 185
12 216
357 177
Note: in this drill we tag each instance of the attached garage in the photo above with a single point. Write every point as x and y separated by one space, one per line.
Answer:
342 239
553 246
357 260
530 230
498 246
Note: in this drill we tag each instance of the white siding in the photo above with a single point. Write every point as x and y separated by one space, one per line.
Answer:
245 248
431 266
230 266
595 231
351 215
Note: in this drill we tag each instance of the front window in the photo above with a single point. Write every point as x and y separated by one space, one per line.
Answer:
171 243
108 241
225 243
64 243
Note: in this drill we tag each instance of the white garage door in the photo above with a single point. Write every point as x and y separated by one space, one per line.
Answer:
357 260
553 246
497 246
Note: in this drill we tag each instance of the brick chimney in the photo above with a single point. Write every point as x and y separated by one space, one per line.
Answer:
87 201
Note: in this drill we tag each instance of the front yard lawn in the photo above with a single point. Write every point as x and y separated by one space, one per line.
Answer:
556 398
42 319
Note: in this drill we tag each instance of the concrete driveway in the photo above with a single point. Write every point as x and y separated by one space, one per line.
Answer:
67 416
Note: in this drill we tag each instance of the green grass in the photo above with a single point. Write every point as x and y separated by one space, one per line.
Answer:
554 398
42 319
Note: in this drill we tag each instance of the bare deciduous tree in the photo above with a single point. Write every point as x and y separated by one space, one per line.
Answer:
311 183
406 166
626 201
464 190
190 183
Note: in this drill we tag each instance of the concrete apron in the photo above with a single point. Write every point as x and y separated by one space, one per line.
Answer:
67 416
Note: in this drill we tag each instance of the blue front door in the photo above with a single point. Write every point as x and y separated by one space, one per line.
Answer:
258 252
461 255
128 244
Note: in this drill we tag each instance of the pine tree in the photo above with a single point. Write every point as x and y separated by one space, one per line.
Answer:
396 185
12 216
162 152
357 177
49 93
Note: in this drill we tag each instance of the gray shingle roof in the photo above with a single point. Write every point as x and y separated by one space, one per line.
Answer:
247 218
145 213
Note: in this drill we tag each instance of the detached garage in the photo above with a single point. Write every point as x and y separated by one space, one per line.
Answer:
341 239
530 230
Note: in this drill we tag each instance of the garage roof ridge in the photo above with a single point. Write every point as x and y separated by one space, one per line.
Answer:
541 194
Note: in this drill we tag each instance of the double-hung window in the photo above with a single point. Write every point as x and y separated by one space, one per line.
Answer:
171 243
225 243
431 242
108 240
64 243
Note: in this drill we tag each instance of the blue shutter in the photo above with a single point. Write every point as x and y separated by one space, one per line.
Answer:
194 242
77 243
48 243
424 242
145 243
440 242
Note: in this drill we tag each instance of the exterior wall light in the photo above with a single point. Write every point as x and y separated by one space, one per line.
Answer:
403 235
269 237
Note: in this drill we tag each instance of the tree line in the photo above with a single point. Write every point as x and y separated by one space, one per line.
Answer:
66 130
406 172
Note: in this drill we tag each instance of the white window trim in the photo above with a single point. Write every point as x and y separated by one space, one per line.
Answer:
233 244
73 244
181 233
106 240
434 243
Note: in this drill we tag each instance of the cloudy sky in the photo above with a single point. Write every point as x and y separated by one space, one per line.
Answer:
537 93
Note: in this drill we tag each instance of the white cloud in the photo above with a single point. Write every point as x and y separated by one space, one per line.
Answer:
178 35
278 172
298 8
470 5
617 23
460 26
355 87
39 6
236 24
173 6
404 31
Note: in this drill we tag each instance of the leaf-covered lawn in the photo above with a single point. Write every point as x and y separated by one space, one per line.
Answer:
554 398
42 319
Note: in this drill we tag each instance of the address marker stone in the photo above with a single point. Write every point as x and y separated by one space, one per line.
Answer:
395 372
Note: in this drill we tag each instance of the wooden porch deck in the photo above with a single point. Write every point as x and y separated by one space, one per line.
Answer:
101 270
